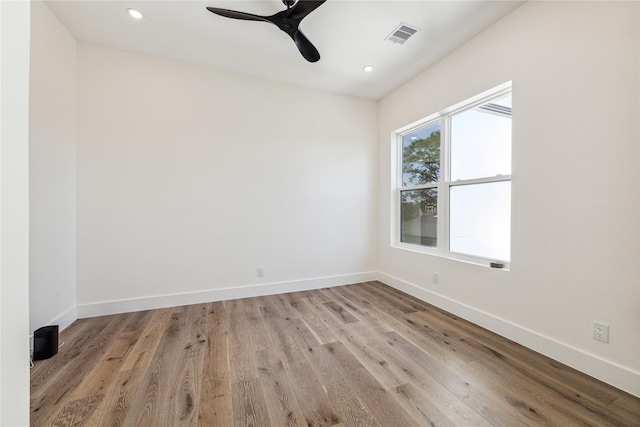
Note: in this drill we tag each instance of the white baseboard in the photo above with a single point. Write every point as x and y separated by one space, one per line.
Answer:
172 300
64 319
611 373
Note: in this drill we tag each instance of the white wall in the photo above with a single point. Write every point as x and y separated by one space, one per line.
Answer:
14 213
575 196
190 178
52 157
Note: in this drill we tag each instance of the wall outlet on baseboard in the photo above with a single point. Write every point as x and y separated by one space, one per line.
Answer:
600 332
260 271
435 277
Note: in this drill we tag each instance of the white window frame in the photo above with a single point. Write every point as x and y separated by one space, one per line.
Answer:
444 184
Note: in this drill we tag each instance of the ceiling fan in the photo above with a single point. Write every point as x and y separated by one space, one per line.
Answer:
287 20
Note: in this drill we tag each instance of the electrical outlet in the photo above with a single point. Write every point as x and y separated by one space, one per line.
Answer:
260 271
600 332
435 278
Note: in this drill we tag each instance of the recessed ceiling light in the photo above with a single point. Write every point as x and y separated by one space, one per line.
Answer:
135 13
367 68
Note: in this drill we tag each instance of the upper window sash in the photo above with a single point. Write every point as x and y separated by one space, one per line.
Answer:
420 156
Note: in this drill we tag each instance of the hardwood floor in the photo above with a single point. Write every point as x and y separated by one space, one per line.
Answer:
358 355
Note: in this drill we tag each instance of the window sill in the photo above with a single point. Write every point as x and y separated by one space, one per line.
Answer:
467 259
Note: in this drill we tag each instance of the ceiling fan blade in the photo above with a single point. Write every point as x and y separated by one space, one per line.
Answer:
306 48
304 7
237 15
287 20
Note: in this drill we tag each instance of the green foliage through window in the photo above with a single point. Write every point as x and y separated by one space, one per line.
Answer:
421 157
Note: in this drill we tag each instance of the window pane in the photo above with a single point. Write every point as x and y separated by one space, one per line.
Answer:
421 156
480 220
481 141
419 212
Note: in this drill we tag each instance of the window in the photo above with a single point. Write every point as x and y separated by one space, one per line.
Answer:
454 180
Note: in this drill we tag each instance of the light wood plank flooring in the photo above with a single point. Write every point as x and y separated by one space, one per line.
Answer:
358 355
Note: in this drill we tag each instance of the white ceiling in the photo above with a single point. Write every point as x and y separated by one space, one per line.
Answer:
348 33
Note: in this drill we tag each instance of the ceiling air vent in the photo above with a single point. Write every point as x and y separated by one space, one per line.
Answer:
402 33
